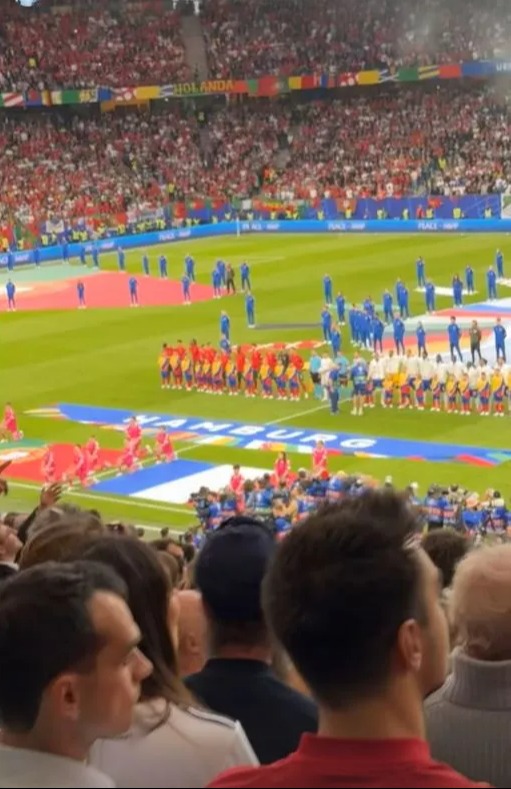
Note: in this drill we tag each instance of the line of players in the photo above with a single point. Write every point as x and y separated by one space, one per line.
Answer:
413 381
88 460
249 371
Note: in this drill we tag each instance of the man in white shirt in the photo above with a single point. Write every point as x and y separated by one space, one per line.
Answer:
426 370
393 364
70 672
456 368
327 364
441 370
376 374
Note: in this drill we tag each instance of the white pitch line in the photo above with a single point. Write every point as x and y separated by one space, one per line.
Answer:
322 407
111 499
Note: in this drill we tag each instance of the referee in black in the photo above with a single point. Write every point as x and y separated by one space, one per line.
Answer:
475 341
229 276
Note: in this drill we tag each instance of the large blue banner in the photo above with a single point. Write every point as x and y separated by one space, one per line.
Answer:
110 245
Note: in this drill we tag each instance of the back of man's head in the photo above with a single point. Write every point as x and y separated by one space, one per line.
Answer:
229 574
54 621
356 604
446 548
480 603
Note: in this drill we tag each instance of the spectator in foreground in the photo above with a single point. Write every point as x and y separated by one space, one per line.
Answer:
469 719
446 548
357 607
238 681
9 548
172 743
70 672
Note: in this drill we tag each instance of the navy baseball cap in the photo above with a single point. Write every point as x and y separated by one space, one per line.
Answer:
231 567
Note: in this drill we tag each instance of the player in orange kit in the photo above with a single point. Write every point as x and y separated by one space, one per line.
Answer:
163 448
9 426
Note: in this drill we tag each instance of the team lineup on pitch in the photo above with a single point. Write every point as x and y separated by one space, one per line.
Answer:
286 342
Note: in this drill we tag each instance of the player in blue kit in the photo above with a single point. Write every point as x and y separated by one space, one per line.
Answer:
82 255
121 259
133 285
37 256
358 376
185 282
250 309
499 262
421 272
403 302
145 264
399 335
421 339
469 279
335 335
65 251
430 297
365 329
377 329
454 332
95 256
163 267
10 289
217 284
388 312
328 289
190 268
369 307
491 279
457 291
326 323
221 268
353 321
225 325
333 390
80 292
500 340
340 304
245 276
10 260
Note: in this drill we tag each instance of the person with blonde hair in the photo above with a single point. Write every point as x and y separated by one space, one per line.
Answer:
469 718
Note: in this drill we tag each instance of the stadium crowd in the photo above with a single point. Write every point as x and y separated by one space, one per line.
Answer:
224 657
450 141
252 38
90 44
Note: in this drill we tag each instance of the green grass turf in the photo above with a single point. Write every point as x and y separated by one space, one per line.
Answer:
109 357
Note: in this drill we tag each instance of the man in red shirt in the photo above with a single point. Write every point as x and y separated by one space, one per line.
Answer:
356 605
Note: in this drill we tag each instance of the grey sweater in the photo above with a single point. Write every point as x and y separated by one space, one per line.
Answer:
469 720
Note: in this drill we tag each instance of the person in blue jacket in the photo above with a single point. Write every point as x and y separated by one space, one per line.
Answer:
328 289
457 291
326 323
377 328
388 315
469 279
403 302
430 297
341 309
454 333
491 279
421 339
399 335
499 262
500 339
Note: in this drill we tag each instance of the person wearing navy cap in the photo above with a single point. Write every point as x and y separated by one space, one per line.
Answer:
238 680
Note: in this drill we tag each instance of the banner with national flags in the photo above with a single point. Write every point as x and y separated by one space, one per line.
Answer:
269 85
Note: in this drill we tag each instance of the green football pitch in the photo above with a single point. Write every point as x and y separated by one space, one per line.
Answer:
109 357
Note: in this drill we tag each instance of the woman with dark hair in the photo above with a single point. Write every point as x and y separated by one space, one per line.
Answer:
172 743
